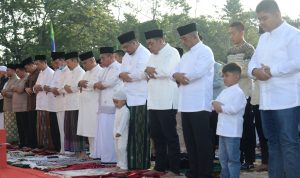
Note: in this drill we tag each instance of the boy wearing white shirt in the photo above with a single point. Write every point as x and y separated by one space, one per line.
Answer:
121 126
230 105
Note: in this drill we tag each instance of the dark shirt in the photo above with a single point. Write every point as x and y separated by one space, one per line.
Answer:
31 99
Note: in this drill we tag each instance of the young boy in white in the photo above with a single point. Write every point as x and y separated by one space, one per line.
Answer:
230 104
120 131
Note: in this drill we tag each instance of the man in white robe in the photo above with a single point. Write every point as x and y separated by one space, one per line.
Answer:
88 99
109 83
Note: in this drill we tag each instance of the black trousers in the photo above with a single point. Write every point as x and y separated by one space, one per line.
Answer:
54 131
22 120
261 136
197 137
248 141
31 129
166 142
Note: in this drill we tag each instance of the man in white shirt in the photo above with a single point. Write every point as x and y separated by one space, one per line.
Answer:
73 142
135 85
162 102
88 99
44 137
3 80
55 87
276 65
194 74
108 84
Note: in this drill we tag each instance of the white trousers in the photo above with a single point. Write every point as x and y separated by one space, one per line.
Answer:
91 146
61 119
121 151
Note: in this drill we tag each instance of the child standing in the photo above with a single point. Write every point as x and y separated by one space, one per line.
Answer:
230 105
120 131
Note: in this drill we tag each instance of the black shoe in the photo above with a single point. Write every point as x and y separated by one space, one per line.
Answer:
247 166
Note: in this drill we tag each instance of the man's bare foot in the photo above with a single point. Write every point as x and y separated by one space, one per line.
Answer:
170 174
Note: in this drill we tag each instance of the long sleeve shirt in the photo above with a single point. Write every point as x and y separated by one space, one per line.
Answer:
135 64
230 120
72 79
58 82
31 99
163 91
280 50
198 66
41 97
109 78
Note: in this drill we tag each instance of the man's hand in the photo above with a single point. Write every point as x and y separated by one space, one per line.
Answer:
82 83
181 78
125 77
47 88
29 91
118 135
68 89
217 106
99 86
150 71
38 88
55 91
263 73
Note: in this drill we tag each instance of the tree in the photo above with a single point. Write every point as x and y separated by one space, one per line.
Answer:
233 10
19 21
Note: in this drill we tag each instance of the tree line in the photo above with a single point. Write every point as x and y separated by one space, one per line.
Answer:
84 25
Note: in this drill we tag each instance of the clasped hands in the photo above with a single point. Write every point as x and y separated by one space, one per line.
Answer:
263 73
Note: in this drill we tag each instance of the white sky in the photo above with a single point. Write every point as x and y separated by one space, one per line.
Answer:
289 8
208 7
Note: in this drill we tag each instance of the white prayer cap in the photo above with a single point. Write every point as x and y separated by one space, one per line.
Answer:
3 68
119 95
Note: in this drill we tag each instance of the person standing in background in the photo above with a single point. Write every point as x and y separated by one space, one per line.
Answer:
3 80
19 105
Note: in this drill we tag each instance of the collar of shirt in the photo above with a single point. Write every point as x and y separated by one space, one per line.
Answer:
162 50
278 30
196 46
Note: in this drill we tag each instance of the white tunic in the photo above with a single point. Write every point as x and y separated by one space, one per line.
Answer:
88 104
58 82
72 79
42 98
163 91
279 49
198 65
230 120
135 64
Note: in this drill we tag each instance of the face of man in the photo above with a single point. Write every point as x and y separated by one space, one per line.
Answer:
30 68
155 45
20 73
89 64
129 47
106 59
118 57
188 40
236 36
41 65
269 21
71 63
10 72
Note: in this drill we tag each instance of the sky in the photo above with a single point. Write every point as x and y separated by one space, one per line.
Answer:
289 8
